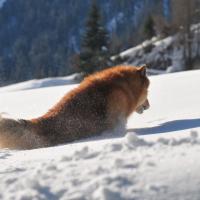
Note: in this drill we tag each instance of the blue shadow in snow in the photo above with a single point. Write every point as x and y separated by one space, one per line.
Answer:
171 126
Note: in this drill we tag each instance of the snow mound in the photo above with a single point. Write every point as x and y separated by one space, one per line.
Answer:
133 141
40 83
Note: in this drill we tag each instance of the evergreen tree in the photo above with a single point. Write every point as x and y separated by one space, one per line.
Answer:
94 53
149 27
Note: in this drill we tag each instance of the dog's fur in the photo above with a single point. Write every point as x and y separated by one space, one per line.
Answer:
96 105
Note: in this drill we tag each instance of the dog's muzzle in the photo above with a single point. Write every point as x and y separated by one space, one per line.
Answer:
143 107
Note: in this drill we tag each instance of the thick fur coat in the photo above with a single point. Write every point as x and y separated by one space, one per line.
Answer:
96 105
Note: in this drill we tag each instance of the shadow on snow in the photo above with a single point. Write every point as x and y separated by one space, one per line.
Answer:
171 126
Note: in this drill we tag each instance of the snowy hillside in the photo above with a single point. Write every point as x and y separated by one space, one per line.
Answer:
158 158
40 83
165 55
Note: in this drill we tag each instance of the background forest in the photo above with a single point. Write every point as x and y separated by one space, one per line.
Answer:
42 38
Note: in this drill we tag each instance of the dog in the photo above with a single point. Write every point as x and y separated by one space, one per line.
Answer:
98 104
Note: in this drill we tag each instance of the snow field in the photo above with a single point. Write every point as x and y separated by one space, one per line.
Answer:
133 168
157 159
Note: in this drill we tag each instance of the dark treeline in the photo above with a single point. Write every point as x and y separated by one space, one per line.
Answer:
39 37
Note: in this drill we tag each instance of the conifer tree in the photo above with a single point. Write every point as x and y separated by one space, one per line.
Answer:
94 53
149 27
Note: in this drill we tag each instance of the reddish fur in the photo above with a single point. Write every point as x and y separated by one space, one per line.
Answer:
94 106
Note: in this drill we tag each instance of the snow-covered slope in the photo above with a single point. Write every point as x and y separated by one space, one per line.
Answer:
162 55
40 83
161 162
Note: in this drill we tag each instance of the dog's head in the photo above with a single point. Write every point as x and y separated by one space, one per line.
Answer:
138 83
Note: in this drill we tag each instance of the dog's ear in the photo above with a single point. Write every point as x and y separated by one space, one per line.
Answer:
143 70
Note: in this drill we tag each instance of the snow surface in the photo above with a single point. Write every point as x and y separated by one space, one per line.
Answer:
158 158
157 53
40 83
166 55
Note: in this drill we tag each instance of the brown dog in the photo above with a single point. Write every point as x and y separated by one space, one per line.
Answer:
96 105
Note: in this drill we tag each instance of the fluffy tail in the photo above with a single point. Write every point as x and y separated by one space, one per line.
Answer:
19 134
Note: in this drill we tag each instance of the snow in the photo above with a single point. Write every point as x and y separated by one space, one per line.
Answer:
40 83
158 157
166 55
157 53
